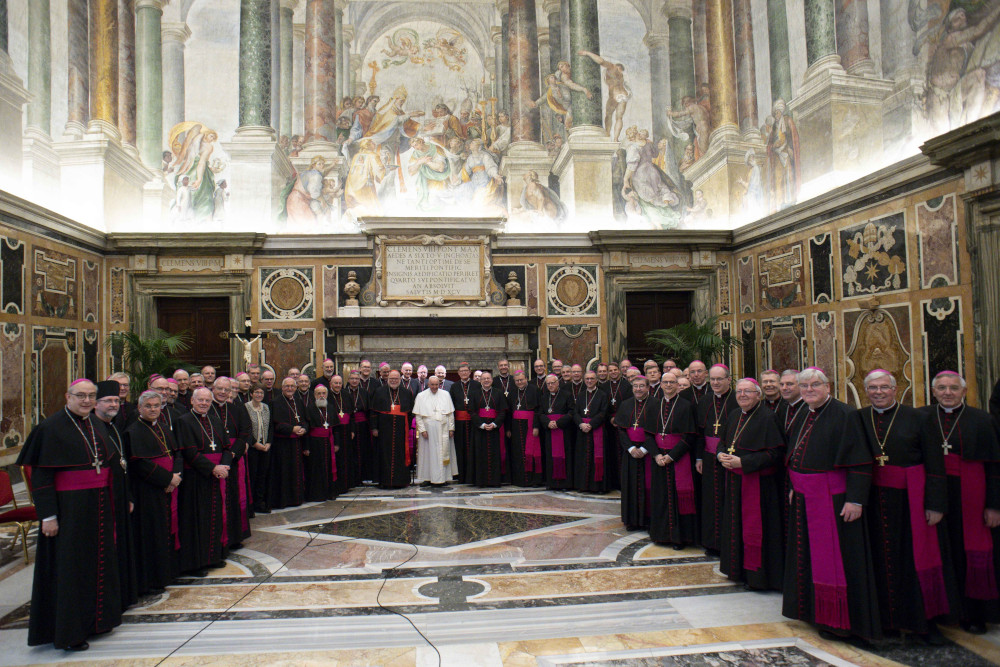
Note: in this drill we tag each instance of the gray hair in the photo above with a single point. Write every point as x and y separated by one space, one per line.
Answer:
195 392
812 373
753 383
937 377
789 371
878 374
145 397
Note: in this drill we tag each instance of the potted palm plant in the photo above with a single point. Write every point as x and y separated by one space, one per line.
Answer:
693 340
144 356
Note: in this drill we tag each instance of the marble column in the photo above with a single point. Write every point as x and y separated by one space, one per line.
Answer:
721 67
551 10
357 80
345 58
852 37
587 73
3 27
104 66
149 81
173 36
821 37
777 48
682 81
39 66
255 63
286 75
338 40
276 66
496 34
78 69
503 7
544 56
563 31
699 44
126 72
746 72
659 81
320 83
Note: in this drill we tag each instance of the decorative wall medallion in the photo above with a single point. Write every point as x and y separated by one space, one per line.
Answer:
821 267
117 295
780 274
873 256
54 284
286 293
12 276
572 290
725 296
877 341
937 231
943 337
90 369
744 273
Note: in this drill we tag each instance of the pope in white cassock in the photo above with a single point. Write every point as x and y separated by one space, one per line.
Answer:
435 415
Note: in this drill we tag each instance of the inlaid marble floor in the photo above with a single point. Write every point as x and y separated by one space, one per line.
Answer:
460 577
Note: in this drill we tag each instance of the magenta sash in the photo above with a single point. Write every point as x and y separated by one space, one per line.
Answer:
753 525
490 413
712 445
827 562
327 433
638 437
81 480
926 552
241 478
216 458
558 448
359 417
980 577
683 478
598 434
167 463
532 443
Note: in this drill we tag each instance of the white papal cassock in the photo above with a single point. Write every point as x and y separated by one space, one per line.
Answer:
435 416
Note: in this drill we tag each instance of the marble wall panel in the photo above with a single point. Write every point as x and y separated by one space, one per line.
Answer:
821 267
53 367
575 343
748 336
943 338
13 426
572 290
937 231
726 329
287 293
744 274
782 281
90 347
54 284
824 336
91 291
331 296
11 275
288 348
879 338
784 342
531 288
117 295
874 257
725 293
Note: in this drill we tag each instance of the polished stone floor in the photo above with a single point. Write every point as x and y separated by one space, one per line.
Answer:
456 576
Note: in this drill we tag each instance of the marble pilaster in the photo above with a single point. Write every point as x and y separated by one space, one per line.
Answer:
276 66
357 81
659 77
544 55
821 38
852 37
777 48
255 63
39 66
173 36
78 69
721 67
682 81
345 57
505 81
4 37
149 81
286 75
496 35
587 73
746 72
699 43
320 82
551 10
127 74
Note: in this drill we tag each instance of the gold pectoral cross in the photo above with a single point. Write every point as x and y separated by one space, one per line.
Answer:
635 424
716 425
882 459
731 450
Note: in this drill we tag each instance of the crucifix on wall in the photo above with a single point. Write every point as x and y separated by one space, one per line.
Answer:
246 338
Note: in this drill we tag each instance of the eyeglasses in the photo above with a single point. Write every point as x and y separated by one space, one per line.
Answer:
745 391
90 397
813 385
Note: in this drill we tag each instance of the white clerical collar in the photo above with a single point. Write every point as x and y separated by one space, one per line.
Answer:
950 410
882 411
700 386
820 406
796 401
718 395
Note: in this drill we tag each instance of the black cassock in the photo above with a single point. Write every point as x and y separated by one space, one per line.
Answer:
285 481
786 413
391 417
636 473
235 420
752 545
489 447
153 461
202 501
524 450
589 469
461 395
557 443
347 455
77 590
674 510
618 392
124 540
356 405
321 465
713 411
972 466
827 470
696 395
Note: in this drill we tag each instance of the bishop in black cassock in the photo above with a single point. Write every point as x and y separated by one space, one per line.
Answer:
713 411
319 455
462 393
489 409
390 408
524 445
589 416
637 449
288 417
555 425
238 429
619 391
356 406
348 458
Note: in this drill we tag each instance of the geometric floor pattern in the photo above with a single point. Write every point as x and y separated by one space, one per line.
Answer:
457 576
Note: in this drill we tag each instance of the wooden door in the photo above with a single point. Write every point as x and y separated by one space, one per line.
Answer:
204 318
645 311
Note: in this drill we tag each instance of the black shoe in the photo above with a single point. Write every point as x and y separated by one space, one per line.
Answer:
933 637
82 646
238 545
712 553
975 628
678 547
200 573
424 484
831 636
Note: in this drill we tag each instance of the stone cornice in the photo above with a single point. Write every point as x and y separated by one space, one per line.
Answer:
40 220
654 241
183 243
967 145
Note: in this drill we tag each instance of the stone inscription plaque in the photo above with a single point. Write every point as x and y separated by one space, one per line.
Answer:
453 271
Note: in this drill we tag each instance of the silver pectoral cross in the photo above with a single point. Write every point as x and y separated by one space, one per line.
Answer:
326 425
211 445
946 447
586 411
96 464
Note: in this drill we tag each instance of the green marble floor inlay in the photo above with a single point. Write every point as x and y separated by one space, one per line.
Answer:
439 527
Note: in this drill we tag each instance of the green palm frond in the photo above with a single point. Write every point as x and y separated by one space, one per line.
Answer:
142 357
692 340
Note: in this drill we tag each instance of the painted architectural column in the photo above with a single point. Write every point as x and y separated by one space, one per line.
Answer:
587 73
104 65
563 30
149 81
682 81
746 72
255 63
544 56
39 66
852 37
551 10
721 66
496 34
777 48
4 45
700 45
276 65
357 80
173 36
126 72
523 66
504 8
338 40
286 75
78 70
659 77
821 39
320 85
345 57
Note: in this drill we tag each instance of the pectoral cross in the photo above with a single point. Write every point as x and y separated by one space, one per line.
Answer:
211 445
716 425
731 450
392 406
96 464
635 424
326 425
467 401
882 459
586 411
613 401
341 415
518 406
946 447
